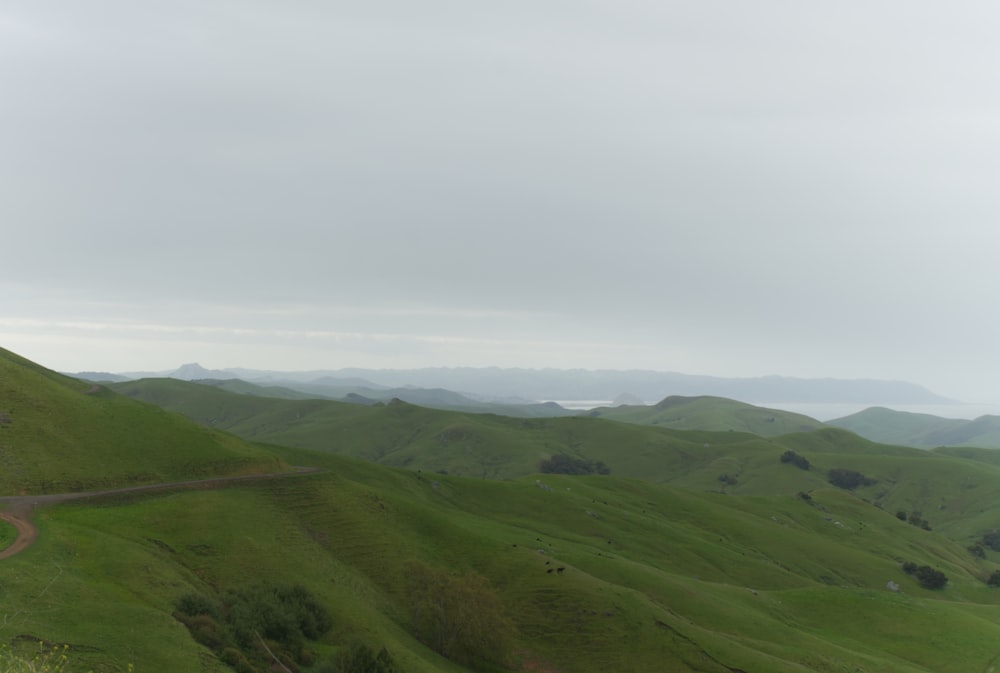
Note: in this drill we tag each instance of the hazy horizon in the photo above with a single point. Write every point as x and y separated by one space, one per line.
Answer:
722 189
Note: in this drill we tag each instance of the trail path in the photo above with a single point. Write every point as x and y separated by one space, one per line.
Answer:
21 507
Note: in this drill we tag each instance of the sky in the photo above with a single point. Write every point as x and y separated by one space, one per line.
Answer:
709 187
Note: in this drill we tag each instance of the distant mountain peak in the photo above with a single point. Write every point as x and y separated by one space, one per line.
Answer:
194 371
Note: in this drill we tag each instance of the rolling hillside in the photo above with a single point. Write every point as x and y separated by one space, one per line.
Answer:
773 570
61 434
921 430
710 413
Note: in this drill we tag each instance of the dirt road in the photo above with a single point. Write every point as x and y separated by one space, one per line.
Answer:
21 507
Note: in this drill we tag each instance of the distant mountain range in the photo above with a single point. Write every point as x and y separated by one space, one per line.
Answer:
521 386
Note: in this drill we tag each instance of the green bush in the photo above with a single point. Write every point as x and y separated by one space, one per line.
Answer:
992 540
252 626
360 658
460 617
929 578
848 479
197 604
795 459
563 464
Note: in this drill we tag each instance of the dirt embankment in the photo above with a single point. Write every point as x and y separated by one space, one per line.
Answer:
19 508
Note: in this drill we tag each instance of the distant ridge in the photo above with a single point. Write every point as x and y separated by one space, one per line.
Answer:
498 384
711 413
923 431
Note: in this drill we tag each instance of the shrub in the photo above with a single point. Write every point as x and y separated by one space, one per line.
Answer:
460 617
992 540
360 658
564 464
929 578
901 515
994 580
848 479
253 626
795 459
197 604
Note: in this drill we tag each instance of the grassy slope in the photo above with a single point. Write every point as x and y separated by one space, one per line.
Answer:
657 578
921 430
711 413
952 492
405 435
61 434
434 398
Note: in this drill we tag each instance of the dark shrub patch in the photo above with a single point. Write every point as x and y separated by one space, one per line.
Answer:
563 464
929 578
848 479
795 459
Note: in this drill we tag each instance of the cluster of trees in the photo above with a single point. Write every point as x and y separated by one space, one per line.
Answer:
564 464
728 479
914 519
929 578
360 658
795 459
253 627
992 540
460 617
848 479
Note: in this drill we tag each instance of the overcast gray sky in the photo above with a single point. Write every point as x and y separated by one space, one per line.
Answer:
730 188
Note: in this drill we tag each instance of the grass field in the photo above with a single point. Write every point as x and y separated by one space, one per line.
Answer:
665 567
656 578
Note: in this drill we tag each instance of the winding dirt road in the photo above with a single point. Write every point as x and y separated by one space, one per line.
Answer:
21 507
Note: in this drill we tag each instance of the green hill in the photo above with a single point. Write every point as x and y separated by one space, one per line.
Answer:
435 398
710 413
61 434
774 570
654 578
921 430
478 445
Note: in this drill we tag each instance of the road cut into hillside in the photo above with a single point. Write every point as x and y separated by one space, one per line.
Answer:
21 507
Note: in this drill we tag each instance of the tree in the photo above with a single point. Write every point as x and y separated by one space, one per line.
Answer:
565 464
795 459
360 658
992 540
929 578
460 617
847 479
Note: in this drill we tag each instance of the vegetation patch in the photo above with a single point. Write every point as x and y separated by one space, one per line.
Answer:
460 617
848 479
929 578
564 464
254 627
795 459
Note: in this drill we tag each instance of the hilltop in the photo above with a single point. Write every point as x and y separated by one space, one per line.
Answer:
710 413
61 434
922 430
